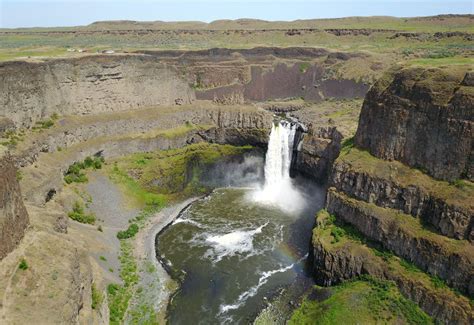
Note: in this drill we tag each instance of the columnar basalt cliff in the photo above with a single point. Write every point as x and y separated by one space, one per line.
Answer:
405 222
423 118
13 215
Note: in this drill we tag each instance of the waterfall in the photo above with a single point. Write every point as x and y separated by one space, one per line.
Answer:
278 158
278 189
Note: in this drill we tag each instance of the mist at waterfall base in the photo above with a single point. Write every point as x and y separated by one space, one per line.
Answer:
278 189
238 246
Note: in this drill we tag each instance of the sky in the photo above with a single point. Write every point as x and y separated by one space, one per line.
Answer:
50 13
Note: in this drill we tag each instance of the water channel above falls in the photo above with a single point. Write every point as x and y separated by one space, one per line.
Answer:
237 246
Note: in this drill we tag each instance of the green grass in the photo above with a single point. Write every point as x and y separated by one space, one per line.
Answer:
442 61
135 191
120 295
44 124
363 301
97 297
166 173
78 214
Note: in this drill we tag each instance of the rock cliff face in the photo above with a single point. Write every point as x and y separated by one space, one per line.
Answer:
317 151
423 118
13 215
401 223
448 218
33 91
335 262
435 254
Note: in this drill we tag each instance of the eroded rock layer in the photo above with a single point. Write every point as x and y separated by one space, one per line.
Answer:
423 118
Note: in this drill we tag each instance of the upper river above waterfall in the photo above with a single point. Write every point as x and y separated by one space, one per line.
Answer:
229 253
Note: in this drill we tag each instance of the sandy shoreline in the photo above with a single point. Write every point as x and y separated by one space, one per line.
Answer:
145 252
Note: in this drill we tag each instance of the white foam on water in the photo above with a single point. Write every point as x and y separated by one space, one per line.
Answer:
253 290
233 243
189 221
278 189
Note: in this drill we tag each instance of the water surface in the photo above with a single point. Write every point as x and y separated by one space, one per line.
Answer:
230 252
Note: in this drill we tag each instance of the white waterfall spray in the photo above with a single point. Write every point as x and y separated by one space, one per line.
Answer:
278 189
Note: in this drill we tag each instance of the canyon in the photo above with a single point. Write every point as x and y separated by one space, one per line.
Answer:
391 143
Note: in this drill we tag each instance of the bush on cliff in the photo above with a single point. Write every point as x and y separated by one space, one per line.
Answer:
78 214
74 173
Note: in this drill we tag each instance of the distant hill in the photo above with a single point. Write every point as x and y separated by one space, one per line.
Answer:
446 22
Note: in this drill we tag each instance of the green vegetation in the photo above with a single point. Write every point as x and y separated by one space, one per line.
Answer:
42 125
362 161
409 266
75 174
102 258
11 138
304 67
78 214
338 231
354 243
135 191
97 297
23 265
178 171
438 282
129 233
120 295
362 301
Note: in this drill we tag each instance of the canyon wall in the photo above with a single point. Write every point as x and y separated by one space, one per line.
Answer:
423 118
13 215
30 92
394 215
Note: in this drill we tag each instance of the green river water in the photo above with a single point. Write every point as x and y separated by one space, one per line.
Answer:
229 253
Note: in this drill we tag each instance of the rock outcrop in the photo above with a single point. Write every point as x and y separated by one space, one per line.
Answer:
423 118
336 261
452 261
317 151
13 215
393 185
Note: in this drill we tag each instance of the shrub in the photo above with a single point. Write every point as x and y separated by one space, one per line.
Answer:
79 215
75 174
337 233
102 258
23 265
97 297
129 233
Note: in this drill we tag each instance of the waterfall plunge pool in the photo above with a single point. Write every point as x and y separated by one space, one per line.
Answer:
234 248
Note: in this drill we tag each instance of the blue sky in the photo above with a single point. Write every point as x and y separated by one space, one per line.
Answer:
47 13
